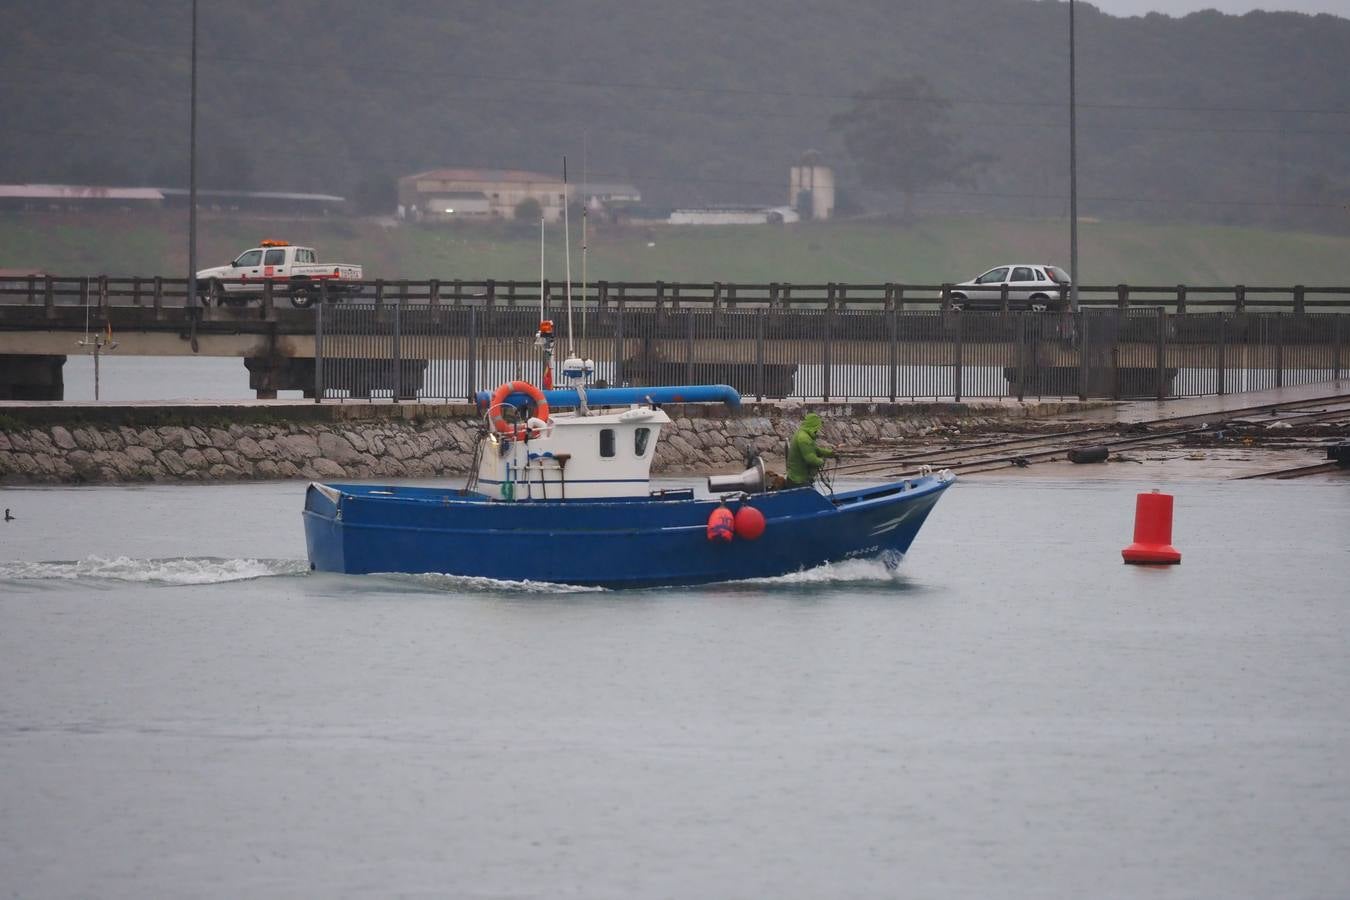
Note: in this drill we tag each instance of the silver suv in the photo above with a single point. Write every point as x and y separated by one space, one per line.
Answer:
1032 286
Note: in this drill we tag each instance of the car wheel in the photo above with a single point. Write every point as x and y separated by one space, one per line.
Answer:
959 302
302 297
215 293
1039 303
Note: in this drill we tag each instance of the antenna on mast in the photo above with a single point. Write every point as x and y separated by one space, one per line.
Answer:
543 338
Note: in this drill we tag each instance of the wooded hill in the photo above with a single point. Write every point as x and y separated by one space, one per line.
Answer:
1209 117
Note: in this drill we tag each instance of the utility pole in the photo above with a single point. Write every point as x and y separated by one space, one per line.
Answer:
190 300
1073 172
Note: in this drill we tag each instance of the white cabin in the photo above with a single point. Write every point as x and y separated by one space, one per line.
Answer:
603 454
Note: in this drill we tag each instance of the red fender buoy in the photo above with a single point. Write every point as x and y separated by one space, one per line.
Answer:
721 524
750 523
1152 531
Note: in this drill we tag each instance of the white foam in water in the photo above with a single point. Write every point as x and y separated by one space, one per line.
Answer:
439 582
179 571
850 571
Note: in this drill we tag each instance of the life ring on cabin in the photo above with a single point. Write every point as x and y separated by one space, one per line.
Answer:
498 402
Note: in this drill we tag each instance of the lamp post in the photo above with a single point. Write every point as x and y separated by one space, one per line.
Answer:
1073 172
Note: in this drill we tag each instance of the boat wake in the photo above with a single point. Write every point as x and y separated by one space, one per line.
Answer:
874 571
469 584
185 570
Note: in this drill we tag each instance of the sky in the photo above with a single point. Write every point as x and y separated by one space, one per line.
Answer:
1237 7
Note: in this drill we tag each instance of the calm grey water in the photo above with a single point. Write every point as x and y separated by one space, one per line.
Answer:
185 711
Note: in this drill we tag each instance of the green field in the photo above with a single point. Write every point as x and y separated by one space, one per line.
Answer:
931 251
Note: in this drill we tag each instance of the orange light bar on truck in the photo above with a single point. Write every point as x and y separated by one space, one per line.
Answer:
273 243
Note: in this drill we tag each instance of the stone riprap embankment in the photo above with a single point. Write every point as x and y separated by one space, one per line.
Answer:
125 444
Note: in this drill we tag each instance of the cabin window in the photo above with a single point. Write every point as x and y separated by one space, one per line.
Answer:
640 439
275 258
607 442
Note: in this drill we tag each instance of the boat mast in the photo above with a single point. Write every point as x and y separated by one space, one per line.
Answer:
567 253
585 214
543 338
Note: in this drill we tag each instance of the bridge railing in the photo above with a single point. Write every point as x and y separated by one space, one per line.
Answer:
157 292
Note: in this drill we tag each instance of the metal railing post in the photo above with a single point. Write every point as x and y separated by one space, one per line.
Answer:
471 364
1279 350
1181 299
398 348
688 345
1222 354
1115 354
1336 338
956 372
318 355
1298 299
826 355
268 302
1021 356
1080 319
759 354
1162 349
49 296
618 342
895 351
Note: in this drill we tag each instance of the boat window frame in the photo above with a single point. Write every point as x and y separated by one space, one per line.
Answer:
642 441
608 442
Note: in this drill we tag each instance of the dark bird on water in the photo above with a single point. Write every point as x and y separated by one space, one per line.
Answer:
8 516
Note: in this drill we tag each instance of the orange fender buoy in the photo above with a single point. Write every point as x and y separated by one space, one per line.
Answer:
1152 531
721 524
750 523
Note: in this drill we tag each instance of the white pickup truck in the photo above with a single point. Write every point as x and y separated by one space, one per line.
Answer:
293 271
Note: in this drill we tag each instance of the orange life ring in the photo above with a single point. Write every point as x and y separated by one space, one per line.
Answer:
519 432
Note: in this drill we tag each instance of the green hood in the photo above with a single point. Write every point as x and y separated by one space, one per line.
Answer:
811 424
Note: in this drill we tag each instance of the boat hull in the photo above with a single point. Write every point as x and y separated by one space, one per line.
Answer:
360 529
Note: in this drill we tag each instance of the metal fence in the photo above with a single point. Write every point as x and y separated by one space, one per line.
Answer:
157 292
448 353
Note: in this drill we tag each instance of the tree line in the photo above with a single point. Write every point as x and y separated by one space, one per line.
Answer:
920 107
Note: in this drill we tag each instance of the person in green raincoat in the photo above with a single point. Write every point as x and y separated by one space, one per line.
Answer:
805 457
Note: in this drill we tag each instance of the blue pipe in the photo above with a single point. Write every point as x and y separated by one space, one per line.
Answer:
625 396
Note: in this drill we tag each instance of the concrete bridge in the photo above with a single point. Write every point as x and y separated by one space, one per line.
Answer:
385 335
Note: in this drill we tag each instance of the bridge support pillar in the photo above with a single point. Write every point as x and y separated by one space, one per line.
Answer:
32 377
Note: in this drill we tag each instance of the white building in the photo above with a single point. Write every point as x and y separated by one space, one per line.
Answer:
734 215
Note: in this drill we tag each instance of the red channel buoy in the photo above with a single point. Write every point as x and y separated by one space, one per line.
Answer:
1152 531
749 523
721 524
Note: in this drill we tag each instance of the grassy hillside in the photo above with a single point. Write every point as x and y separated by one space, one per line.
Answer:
929 252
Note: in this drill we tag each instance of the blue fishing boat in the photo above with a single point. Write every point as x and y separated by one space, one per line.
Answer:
567 498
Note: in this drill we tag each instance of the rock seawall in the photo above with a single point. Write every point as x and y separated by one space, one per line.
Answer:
403 444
